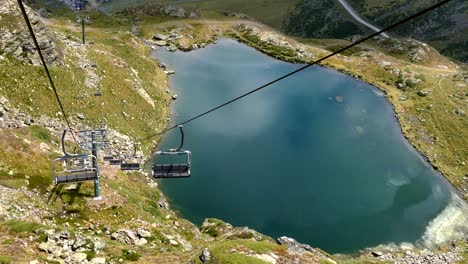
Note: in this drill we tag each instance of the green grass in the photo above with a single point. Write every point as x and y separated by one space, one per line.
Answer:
221 252
16 226
8 241
269 12
130 255
40 133
5 259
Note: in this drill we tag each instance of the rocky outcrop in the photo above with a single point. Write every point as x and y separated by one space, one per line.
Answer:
16 40
153 9
296 247
65 248
419 257
133 237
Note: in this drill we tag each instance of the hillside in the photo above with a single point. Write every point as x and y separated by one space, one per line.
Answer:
446 29
134 222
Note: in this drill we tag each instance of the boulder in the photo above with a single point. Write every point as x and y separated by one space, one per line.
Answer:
79 242
459 112
79 257
161 43
141 242
160 37
424 92
162 203
98 261
205 256
294 246
98 245
80 116
46 247
143 233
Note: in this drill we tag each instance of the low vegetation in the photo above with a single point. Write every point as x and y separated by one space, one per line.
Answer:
30 207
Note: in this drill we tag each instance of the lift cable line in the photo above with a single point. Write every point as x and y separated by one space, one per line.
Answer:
31 31
424 11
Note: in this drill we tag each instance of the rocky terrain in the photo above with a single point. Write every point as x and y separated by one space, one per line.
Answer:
134 222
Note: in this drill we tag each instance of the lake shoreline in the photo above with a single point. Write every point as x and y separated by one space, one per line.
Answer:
284 42
389 103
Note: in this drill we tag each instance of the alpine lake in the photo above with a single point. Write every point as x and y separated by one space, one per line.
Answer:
318 156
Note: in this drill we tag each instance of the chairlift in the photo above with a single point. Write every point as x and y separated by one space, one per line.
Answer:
178 169
115 161
128 163
75 167
87 137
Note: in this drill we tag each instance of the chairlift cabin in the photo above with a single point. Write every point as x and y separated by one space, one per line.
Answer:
72 168
172 163
131 162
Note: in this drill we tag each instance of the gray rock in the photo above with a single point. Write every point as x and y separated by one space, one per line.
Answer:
79 257
161 43
64 235
46 247
98 245
205 256
162 203
98 261
174 96
80 116
460 112
294 246
424 92
160 37
79 242
376 253
141 242
143 233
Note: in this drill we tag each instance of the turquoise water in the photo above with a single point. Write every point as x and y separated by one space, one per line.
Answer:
318 157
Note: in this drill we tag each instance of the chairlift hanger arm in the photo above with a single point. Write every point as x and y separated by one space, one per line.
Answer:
63 145
181 138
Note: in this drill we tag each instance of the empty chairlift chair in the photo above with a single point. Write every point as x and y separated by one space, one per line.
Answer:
131 162
74 167
115 161
107 152
172 163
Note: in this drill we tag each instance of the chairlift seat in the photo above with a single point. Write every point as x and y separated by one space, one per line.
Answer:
77 177
178 169
171 171
115 162
130 166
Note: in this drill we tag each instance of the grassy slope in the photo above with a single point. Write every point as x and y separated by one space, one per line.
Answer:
22 82
127 196
129 202
269 12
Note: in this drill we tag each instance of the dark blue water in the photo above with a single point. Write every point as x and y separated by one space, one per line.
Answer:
318 157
